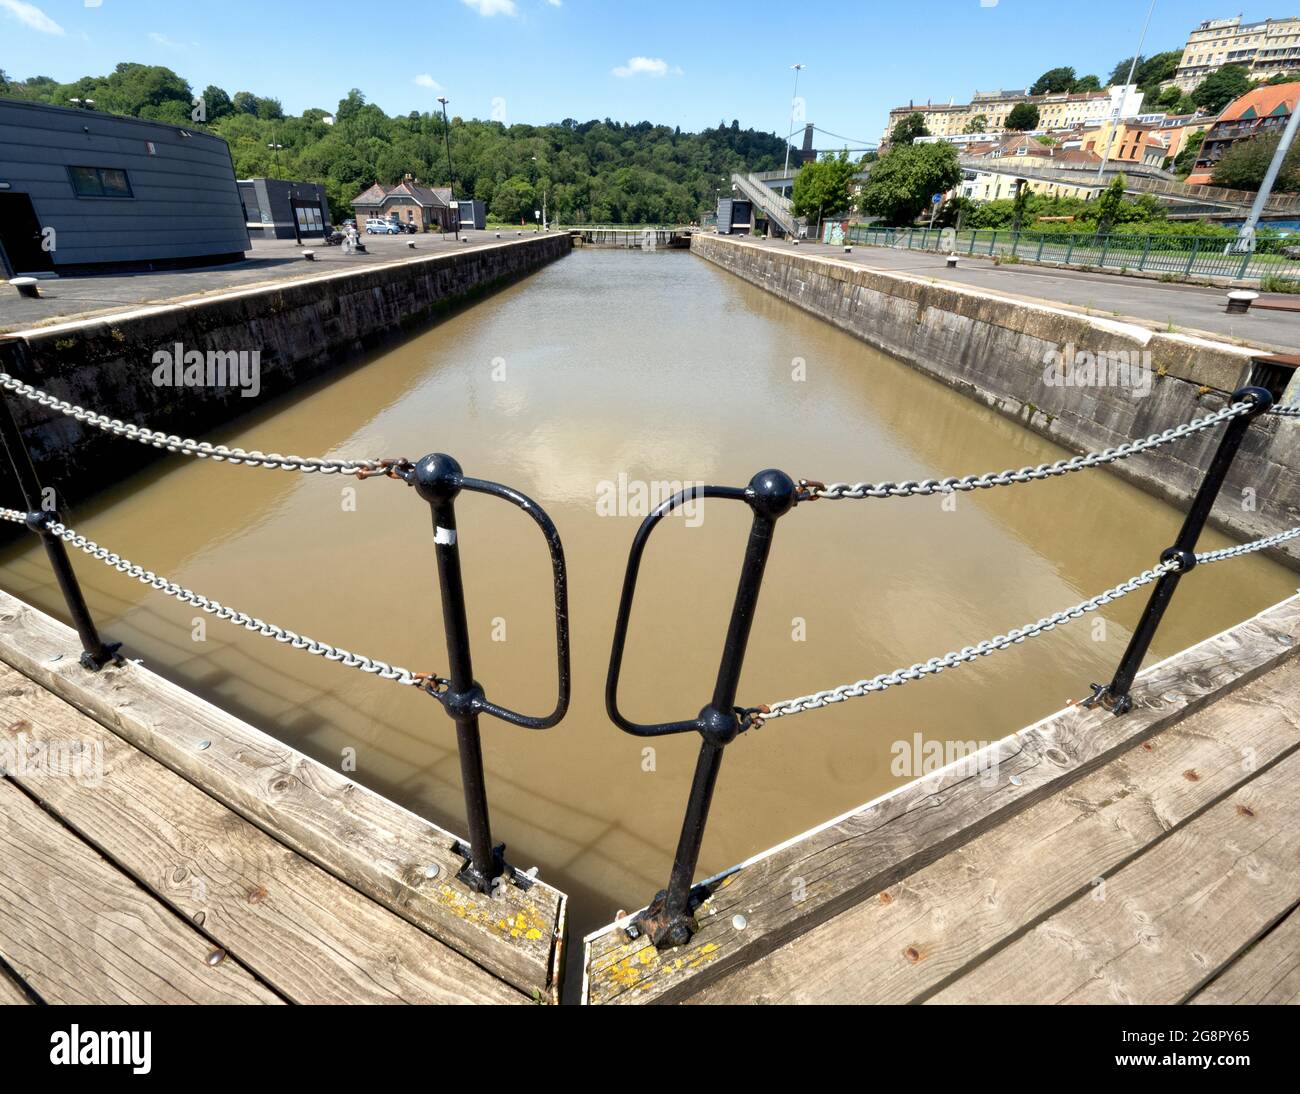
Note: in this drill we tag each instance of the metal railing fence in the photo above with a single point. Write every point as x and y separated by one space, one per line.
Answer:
1177 256
669 919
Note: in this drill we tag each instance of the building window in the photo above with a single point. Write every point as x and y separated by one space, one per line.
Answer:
100 182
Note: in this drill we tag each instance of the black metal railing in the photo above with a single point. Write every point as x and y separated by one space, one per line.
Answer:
438 479
1117 695
669 919
41 513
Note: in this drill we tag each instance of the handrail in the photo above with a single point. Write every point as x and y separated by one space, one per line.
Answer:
438 479
669 918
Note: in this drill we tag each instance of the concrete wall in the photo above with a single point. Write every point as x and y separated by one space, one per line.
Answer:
993 350
303 329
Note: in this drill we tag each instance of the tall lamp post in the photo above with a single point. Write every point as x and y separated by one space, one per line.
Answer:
1114 121
276 149
798 68
451 176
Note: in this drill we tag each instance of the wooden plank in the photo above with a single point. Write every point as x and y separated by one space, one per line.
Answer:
309 935
1170 920
357 835
11 992
906 942
836 865
80 931
1267 973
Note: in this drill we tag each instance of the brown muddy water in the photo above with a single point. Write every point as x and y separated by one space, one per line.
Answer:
645 368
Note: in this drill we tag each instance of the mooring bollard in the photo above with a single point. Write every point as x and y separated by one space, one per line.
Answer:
952 262
310 256
1116 696
438 479
1240 300
669 919
26 286
95 652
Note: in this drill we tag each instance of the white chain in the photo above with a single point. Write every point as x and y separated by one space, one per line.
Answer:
837 491
1003 641
960 657
378 668
1287 410
1248 548
201 449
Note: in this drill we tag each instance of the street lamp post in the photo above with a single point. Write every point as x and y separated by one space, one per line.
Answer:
84 104
1115 114
276 149
798 68
451 175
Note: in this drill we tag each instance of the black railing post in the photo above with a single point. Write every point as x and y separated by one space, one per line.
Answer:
438 479
1116 696
96 653
669 919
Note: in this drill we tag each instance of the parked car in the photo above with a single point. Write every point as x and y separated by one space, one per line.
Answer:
382 228
410 229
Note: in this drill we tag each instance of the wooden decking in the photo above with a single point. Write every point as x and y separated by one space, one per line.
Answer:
161 851
1153 858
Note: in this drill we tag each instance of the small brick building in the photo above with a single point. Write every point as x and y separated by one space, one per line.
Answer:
429 209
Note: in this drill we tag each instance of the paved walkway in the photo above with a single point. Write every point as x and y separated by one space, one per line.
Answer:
269 260
1189 308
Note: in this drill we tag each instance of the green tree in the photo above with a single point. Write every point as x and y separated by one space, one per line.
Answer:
1219 88
1186 159
1052 81
216 103
1244 165
824 187
1110 205
1086 83
977 124
903 180
512 201
907 130
1023 117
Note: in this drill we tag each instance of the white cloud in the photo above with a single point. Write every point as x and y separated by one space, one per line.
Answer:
556 3
425 80
492 7
162 40
31 16
645 66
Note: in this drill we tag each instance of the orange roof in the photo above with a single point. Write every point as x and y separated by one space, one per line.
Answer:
1263 102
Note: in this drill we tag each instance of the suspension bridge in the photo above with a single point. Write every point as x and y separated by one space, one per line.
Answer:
126 798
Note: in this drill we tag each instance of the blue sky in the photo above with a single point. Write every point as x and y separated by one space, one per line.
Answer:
680 63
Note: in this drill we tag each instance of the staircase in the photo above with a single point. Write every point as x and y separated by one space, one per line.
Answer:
777 208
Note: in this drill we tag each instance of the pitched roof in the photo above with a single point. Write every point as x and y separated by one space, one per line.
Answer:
372 196
1263 102
422 195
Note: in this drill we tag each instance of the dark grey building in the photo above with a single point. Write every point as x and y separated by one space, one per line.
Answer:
734 215
473 214
274 206
84 190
